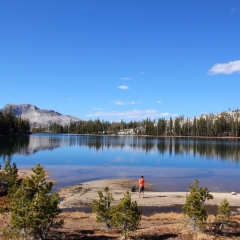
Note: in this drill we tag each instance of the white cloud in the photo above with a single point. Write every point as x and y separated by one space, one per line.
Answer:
97 109
66 99
140 114
123 102
159 101
126 78
141 73
232 10
123 87
225 68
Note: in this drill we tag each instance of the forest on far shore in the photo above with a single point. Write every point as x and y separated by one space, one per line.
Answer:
211 125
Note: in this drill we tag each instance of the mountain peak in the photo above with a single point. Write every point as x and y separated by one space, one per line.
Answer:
40 117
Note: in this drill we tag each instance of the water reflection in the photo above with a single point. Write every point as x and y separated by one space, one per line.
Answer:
11 145
170 163
223 149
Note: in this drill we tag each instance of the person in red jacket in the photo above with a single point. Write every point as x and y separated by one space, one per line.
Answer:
141 186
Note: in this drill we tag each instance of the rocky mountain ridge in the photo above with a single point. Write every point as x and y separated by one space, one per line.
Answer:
39 117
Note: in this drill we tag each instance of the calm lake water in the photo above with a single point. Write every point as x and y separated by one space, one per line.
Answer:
170 164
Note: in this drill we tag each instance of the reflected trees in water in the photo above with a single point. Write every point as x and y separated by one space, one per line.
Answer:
223 149
12 145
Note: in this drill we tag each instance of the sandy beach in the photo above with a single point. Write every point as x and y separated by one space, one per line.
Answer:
80 197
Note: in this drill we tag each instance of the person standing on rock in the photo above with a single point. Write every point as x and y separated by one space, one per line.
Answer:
141 186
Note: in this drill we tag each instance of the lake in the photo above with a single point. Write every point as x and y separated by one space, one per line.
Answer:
170 164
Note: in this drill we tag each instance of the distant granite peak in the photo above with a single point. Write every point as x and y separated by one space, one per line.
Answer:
40 117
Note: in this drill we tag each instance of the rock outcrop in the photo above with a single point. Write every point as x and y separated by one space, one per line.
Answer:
39 117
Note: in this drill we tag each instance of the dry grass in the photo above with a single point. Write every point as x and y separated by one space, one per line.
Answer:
77 215
236 218
80 225
165 216
185 234
211 218
4 221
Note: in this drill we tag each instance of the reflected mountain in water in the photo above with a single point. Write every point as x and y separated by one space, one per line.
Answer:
27 145
224 149
37 143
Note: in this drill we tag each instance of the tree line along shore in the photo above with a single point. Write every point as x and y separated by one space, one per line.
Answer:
225 124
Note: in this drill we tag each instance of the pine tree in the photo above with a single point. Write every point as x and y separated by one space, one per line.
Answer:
177 127
11 172
9 182
32 208
21 217
170 126
126 215
194 209
102 207
224 215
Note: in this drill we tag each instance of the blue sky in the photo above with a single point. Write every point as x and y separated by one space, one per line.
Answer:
128 59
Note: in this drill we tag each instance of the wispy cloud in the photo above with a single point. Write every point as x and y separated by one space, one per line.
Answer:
97 109
66 99
141 73
123 102
159 101
139 114
123 87
126 78
232 10
225 68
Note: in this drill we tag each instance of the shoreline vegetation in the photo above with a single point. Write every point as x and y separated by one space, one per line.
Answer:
207 125
135 135
129 135
162 214
82 194
225 124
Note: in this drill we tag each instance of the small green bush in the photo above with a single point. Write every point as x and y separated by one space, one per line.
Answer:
102 207
194 208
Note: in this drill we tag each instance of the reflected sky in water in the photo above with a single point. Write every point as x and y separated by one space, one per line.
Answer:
171 164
